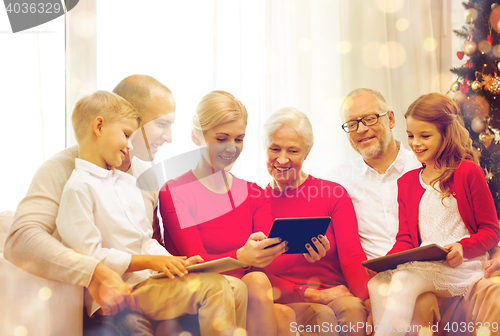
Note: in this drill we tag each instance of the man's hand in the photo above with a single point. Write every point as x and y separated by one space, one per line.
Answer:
254 252
322 245
109 291
455 255
325 296
492 265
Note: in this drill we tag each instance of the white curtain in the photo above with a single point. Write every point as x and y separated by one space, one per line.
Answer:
272 54
400 48
32 104
268 53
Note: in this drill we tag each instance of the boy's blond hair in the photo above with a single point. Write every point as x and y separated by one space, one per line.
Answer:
108 105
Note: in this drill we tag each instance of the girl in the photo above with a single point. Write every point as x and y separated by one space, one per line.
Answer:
211 213
446 202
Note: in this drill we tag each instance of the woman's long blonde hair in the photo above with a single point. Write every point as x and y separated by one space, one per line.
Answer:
456 146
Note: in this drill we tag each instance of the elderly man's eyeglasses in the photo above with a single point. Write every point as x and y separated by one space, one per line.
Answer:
368 120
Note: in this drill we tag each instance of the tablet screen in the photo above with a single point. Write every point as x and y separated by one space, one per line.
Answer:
298 231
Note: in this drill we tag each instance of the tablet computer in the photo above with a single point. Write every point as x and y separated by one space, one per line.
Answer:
298 231
216 266
429 252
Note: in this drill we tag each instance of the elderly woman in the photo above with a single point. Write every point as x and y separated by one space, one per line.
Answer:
333 289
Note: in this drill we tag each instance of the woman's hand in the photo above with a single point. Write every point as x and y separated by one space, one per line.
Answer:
322 245
492 265
194 260
455 255
325 296
254 252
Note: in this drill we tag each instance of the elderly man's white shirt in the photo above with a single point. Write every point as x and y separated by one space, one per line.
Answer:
102 214
374 197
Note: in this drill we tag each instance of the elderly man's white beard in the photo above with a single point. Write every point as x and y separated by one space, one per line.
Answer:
377 150
371 152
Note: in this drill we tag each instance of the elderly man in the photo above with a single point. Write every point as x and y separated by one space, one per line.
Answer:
33 242
372 184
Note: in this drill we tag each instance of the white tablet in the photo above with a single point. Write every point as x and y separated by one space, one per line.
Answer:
216 266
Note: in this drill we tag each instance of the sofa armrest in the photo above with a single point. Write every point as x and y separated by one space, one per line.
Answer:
6 218
43 307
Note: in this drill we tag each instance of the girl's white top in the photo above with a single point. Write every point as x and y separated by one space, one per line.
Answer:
440 223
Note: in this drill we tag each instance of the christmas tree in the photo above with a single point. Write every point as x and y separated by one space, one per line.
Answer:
477 88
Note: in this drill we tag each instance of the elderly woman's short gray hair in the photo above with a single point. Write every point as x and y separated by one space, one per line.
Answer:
289 117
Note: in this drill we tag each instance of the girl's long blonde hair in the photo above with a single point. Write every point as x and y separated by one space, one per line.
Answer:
456 146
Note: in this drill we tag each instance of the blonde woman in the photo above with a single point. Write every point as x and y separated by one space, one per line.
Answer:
211 213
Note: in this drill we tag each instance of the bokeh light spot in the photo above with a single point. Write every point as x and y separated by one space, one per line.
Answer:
484 46
313 282
44 293
344 47
496 50
395 286
430 44
194 282
470 15
402 24
185 333
219 324
495 19
495 278
425 332
347 103
388 303
384 289
240 332
274 293
390 6
370 55
20 331
392 55
483 331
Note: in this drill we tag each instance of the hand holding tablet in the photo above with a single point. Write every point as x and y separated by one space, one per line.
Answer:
216 266
298 232
429 252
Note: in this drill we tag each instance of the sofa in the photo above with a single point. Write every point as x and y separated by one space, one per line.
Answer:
30 305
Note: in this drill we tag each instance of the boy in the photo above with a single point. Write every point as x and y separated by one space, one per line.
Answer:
102 214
